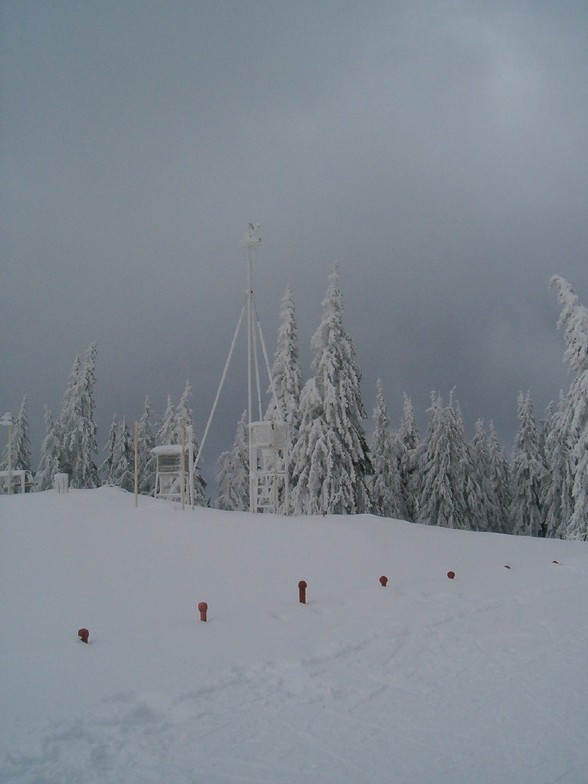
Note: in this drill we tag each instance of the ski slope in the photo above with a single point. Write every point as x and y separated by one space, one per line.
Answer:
477 680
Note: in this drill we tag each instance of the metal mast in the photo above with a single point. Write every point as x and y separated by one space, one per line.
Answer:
268 440
251 241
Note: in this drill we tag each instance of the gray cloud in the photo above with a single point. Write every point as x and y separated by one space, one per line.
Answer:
438 150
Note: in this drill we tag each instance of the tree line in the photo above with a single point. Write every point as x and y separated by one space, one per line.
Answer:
434 478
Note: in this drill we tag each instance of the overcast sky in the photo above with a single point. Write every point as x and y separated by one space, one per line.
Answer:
437 150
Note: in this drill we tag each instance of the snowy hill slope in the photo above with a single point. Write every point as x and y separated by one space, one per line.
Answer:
478 679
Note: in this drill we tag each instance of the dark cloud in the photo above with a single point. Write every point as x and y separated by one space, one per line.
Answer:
437 150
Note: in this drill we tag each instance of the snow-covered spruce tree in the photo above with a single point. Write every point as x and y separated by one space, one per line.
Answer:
332 451
68 417
185 421
574 321
167 430
544 428
499 476
122 470
286 372
233 473
386 490
409 437
147 460
527 472
557 500
50 454
77 425
105 469
311 459
577 527
443 469
489 514
473 491
20 447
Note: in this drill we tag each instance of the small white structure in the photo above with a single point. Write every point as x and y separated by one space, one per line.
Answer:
174 476
268 467
9 480
61 483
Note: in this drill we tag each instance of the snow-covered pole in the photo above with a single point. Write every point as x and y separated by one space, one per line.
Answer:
183 467
251 241
249 333
136 463
8 421
191 463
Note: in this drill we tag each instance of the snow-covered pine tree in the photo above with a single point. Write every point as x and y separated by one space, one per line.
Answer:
20 447
557 500
544 428
499 476
488 516
185 421
409 437
105 469
68 418
577 527
167 431
386 490
286 372
77 425
147 460
473 491
527 472
337 452
311 460
122 471
233 472
574 321
88 472
443 471
50 454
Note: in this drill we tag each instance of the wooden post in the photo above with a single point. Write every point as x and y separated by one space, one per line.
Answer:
302 586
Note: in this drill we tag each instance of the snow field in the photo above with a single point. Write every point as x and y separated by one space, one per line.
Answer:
482 678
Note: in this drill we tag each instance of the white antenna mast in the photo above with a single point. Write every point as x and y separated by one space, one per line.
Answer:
250 241
268 441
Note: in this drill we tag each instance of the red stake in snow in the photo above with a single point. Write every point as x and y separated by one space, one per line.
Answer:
202 609
302 586
83 634
451 575
383 581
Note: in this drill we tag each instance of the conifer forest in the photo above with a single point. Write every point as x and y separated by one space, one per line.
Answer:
539 487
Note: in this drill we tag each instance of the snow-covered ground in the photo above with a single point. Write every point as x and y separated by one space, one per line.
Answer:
475 680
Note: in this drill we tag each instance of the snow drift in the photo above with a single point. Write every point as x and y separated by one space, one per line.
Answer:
481 678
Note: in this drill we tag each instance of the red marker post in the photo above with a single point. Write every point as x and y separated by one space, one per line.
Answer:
202 609
302 586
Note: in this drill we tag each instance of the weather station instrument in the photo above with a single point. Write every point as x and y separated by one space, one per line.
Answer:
268 438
